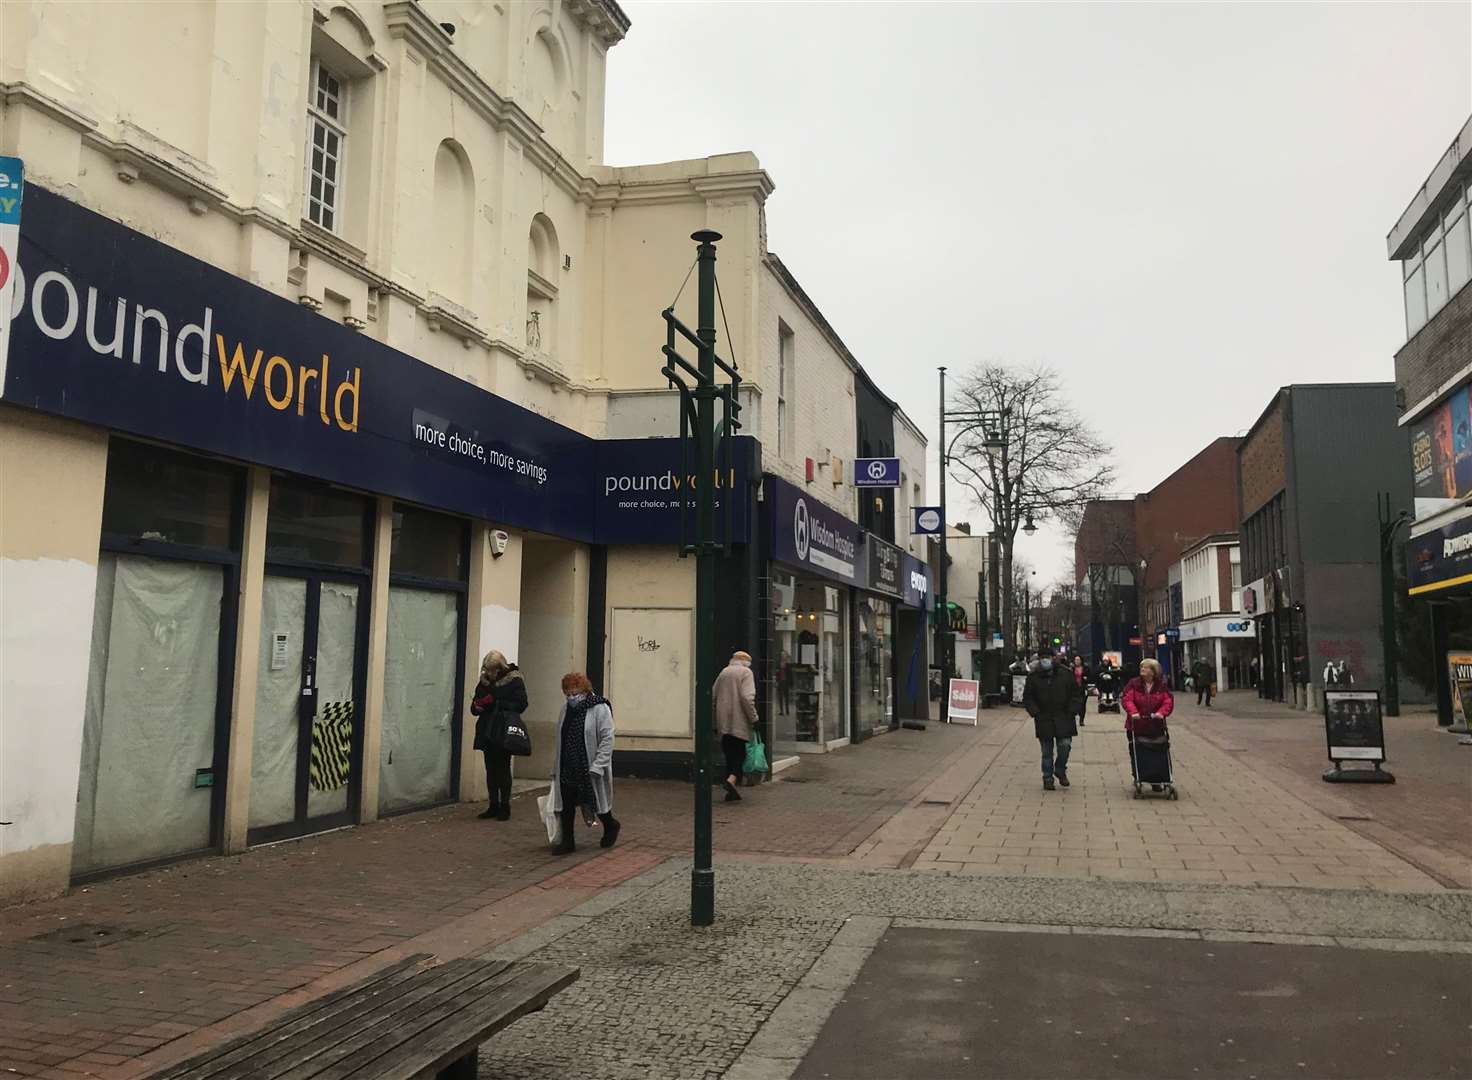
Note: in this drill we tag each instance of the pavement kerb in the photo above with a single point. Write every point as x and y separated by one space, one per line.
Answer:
1257 938
778 1047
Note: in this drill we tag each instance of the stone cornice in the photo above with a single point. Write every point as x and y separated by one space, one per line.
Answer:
754 184
603 18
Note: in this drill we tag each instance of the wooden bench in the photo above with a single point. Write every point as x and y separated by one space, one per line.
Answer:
406 1021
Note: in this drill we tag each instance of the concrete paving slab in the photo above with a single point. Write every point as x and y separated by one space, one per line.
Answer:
947 1003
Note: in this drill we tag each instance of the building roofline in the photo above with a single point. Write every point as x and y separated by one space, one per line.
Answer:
798 293
1218 539
1454 166
1188 462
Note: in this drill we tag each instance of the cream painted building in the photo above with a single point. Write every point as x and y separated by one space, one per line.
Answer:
301 422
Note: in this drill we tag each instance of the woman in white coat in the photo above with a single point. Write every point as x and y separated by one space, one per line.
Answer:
582 769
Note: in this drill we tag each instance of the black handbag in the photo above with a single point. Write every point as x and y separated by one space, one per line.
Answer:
515 739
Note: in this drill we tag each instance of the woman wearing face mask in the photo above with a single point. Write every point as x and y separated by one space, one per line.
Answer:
582 769
500 694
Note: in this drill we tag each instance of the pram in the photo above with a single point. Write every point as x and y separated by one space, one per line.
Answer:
1152 764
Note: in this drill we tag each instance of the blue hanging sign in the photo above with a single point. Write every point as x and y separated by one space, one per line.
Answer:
926 520
877 472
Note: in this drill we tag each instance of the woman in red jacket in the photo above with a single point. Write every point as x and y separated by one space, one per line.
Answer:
1147 701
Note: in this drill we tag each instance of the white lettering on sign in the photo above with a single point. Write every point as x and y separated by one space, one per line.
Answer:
1456 545
963 700
917 582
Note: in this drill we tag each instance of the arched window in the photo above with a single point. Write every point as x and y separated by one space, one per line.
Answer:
543 268
454 222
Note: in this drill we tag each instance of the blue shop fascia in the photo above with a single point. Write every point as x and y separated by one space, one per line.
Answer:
304 541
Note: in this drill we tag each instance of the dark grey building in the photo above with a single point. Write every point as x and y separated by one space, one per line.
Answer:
1310 471
1433 375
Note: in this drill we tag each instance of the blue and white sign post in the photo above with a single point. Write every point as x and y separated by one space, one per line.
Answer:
926 520
877 472
12 181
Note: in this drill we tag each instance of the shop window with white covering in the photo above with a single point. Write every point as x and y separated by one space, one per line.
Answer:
157 690
424 673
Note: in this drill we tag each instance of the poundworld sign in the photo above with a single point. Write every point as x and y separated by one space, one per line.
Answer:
112 328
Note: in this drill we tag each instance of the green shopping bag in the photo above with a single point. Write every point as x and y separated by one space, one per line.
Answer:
756 754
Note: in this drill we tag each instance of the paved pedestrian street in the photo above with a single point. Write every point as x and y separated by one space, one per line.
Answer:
1230 824
924 877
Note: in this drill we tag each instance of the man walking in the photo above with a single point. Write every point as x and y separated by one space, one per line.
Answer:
1051 698
735 701
1203 674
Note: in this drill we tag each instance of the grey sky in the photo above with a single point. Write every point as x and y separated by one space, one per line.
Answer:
1180 207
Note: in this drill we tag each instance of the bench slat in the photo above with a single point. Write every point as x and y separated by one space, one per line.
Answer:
313 1049
299 1019
446 1039
404 1025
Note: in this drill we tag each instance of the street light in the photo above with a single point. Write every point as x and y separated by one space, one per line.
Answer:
1029 526
993 425
1389 526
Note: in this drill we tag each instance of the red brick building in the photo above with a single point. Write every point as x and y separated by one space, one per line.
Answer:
1125 548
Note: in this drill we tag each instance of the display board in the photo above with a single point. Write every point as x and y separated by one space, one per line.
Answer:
1353 725
651 657
964 697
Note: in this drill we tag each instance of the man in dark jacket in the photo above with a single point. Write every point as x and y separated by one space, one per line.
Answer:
1203 674
1053 699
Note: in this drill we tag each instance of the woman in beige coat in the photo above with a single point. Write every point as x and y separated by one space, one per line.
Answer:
735 703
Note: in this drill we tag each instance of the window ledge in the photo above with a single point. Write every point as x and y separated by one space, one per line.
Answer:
335 244
539 286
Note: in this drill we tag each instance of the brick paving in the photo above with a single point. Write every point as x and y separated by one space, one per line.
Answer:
1231 824
1423 817
120 968
129 974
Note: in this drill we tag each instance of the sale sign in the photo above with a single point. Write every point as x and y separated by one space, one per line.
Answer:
11 180
964 699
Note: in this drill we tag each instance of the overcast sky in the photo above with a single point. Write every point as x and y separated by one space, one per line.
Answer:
1180 207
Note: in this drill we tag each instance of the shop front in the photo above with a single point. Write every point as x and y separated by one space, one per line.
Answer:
875 631
1227 642
814 568
263 555
912 639
1439 571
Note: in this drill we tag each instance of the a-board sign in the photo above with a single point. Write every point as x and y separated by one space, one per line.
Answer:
965 697
1353 725
1019 686
1459 670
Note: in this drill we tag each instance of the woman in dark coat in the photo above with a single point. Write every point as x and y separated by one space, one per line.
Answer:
501 693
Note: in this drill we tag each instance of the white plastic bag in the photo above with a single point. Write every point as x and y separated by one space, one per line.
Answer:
549 817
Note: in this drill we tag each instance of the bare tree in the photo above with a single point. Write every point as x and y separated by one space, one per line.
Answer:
1050 462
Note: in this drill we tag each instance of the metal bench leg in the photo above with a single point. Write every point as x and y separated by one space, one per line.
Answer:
467 1068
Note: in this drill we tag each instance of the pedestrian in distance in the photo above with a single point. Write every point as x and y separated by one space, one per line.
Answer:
499 697
1051 699
1147 702
735 705
582 768
784 684
1203 674
1081 678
